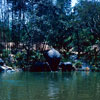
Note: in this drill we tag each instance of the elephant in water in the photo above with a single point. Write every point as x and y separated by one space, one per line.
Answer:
66 66
53 58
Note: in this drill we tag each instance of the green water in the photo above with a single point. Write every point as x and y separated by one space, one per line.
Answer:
50 86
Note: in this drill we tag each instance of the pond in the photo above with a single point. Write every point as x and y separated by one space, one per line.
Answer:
50 86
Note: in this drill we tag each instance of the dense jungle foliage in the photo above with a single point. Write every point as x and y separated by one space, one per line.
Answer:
28 27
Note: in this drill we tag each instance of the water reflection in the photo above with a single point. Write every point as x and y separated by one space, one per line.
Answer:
47 86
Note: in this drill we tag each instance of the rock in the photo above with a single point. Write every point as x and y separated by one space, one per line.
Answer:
11 58
53 58
1 62
9 68
2 69
40 67
6 69
18 70
9 71
67 66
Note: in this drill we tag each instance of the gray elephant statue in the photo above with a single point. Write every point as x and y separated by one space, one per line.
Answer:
53 58
67 66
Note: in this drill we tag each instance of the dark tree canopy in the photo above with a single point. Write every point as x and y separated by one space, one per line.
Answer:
55 23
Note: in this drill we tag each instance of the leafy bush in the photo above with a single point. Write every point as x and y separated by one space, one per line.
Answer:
37 56
5 53
65 56
20 59
78 64
1 48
